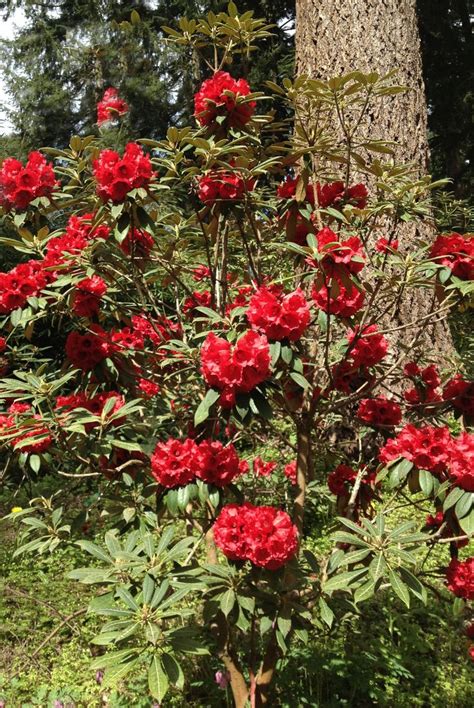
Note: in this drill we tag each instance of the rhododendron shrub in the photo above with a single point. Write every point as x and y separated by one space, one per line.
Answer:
205 331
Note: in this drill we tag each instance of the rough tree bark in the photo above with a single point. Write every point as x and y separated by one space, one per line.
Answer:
338 36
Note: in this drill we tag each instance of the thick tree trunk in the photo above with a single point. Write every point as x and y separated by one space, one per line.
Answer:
338 36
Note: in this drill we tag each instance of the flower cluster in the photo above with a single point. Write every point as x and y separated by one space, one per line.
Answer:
87 296
20 185
277 315
262 468
338 296
116 176
178 462
219 101
86 351
339 252
428 447
92 404
379 411
366 347
138 243
332 193
223 186
30 433
460 394
110 107
197 299
263 535
237 368
290 472
341 480
79 233
426 382
461 461
24 281
455 252
460 578
385 245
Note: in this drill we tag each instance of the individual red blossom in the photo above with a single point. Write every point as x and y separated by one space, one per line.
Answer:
342 479
460 394
385 245
379 411
173 463
428 447
411 369
240 299
197 299
338 296
219 185
218 464
277 315
220 96
86 351
366 347
126 338
328 194
262 468
460 578
347 252
148 388
237 368
456 252
436 521
290 471
137 243
263 535
110 107
116 176
201 272
88 295
461 461
20 185
3 344
426 382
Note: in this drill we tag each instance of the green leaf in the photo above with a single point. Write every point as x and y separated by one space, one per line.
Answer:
365 591
112 658
452 498
327 615
467 523
300 380
399 587
173 670
127 598
148 589
227 601
116 673
94 550
399 472
284 625
202 411
426 482
377 567
157 679
342 581
464 504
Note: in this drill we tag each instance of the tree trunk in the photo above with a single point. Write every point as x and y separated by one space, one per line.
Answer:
339 36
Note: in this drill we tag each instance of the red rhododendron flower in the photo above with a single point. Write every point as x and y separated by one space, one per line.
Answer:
263 535
85 351
19 184
426 382
429 448
411 369
137 243
460 394
93 404
277 315
434 522
197 299
3 344
328 194
349 378
148 388
87 297
339 297
262 468
368 347
379 411
201 272
221 96
384 245
116 176
24 281
290 471
347 252
173 463
127 338
222 185
460 578
456 252
461 461
218 464
32 430
237 368
342 479
111 106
